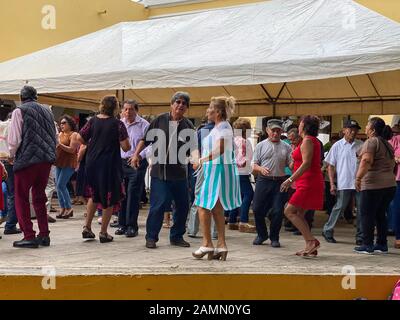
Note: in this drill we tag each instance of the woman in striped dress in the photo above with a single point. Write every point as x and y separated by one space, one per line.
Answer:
220 189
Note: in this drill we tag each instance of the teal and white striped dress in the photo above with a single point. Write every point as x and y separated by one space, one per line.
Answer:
221 177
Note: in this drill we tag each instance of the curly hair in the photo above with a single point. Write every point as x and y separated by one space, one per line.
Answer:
71 122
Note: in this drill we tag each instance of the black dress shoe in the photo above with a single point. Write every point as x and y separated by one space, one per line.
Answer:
151 244
180 243
43 241
259 241
120 231
329 239
12 231
114 225
26 244
131 232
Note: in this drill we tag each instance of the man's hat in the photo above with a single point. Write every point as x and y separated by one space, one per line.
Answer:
275 123
351 124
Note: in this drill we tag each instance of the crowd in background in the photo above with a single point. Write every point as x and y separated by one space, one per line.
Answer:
210 186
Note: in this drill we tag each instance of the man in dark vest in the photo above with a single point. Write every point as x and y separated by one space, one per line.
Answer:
32 143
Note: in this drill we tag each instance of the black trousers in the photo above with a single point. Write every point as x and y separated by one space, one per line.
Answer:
134 181
373 207
269 199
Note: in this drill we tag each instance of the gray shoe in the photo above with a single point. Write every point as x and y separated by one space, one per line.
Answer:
275 244
151 244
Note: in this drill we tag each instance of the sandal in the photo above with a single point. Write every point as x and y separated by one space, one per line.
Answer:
87 233
105 237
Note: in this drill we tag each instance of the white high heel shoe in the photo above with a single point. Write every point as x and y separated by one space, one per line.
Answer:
202 251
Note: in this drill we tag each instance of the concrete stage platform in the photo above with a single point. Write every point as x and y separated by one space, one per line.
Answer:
125 269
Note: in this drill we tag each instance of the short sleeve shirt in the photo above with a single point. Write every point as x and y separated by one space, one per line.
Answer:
273 155
343 156
381 174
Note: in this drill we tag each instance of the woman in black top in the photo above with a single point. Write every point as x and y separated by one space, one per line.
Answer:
104 135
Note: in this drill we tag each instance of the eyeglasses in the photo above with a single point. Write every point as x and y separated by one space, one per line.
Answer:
182 102
63 122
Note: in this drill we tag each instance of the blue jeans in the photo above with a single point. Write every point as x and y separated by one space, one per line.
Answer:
160 193
247 194
3 213
12 216
343 198
62 178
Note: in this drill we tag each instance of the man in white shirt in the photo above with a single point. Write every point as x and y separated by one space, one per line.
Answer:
342 160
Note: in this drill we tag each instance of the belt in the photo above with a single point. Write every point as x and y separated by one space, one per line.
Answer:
281 178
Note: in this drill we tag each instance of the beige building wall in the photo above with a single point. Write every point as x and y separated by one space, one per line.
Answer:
22 32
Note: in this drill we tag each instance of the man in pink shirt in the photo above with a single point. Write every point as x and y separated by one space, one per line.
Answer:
394 207
32 144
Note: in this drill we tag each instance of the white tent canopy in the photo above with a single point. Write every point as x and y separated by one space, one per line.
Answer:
272 52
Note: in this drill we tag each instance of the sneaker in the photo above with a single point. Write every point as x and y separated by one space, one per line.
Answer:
359 242
259 241
275 244
364 249
379 248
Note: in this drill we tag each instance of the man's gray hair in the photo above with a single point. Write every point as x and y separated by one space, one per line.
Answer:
28 93
132 103
181 95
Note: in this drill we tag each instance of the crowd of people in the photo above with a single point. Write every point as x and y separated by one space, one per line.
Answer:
203 176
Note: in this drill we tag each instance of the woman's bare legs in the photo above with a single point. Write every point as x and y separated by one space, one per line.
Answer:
205 225
105 219
296 217
219 218
90 210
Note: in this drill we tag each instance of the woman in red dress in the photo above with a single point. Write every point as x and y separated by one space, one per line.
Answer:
309 193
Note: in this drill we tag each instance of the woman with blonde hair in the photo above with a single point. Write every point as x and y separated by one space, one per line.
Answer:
104 135
220 189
